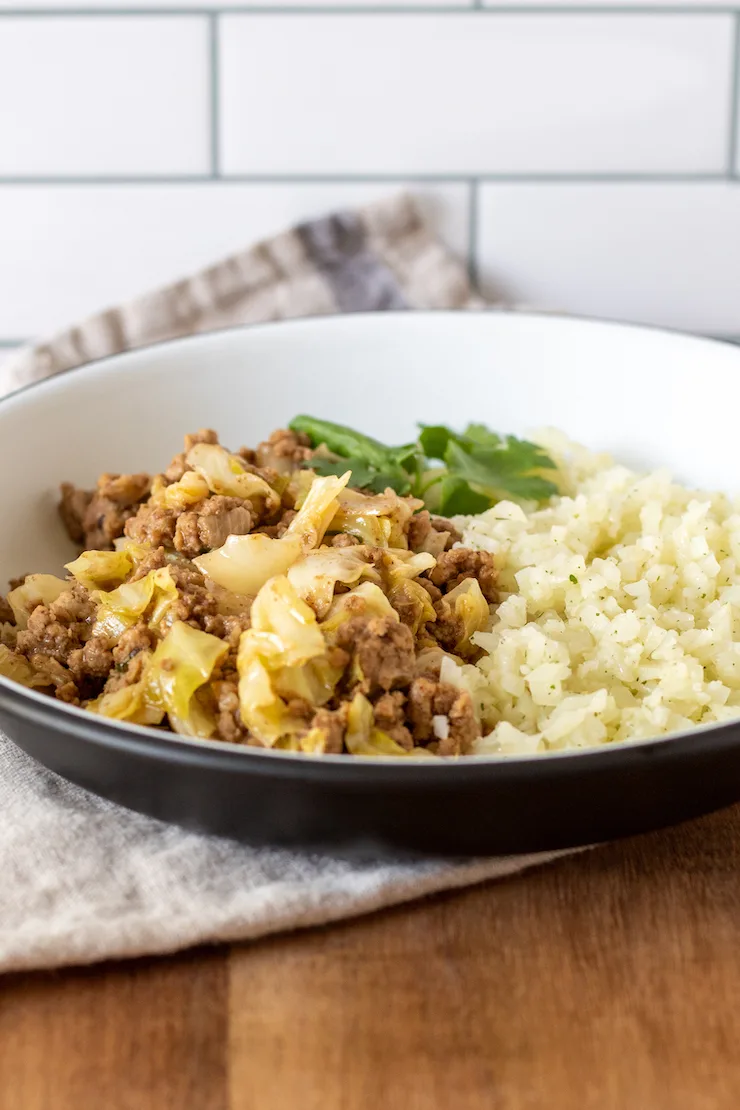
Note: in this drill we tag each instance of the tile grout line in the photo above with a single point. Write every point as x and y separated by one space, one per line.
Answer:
392 177
474 7
473 202
732 144
215 94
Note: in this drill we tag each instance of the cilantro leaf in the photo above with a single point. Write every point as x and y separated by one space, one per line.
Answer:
363 476
456 497
501 471
343 441
480 435
434 439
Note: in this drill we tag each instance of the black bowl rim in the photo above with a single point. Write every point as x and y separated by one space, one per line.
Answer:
225 756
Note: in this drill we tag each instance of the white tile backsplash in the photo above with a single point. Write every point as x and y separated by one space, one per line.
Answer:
118 95
656 253
69 251
597 143
474 93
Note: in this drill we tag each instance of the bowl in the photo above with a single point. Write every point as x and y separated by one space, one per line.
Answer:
652 398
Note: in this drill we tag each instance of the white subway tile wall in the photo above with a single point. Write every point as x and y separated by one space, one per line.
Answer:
583 159
498 94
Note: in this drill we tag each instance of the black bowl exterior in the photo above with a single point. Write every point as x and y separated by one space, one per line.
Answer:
358 807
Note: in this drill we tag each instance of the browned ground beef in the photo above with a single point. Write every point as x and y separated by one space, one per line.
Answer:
428 699
381 651
453 567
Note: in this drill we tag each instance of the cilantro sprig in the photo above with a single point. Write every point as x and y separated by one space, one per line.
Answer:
454 473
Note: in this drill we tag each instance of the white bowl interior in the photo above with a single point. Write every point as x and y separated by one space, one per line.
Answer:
650 397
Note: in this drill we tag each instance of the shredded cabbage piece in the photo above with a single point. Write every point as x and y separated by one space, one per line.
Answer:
101 570
190 489
226 474
121 608
245 563
273 656
181 664
362 738
127 704
38 589
17 668
367 598
471 607
316 575
379 520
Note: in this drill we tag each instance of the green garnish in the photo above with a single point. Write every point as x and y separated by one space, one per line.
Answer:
455 473
573 579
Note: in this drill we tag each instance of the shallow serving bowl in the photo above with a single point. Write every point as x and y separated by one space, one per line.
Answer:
650 397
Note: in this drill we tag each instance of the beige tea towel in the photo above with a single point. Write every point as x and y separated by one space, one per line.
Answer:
84 880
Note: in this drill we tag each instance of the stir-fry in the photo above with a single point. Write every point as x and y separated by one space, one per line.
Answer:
310 595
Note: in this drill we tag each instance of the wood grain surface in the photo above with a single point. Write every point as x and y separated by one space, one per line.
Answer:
605 982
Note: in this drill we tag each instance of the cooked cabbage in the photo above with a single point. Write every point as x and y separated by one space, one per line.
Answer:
17 668
121 608
181 664
316 575
38 589
283 639
379 521
471 607
362 738
245 563
367 598
101 570
226 474
128 704
190 489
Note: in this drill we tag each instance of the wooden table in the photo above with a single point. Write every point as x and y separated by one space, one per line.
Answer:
609 981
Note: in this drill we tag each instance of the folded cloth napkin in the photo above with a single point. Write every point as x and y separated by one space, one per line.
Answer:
85 880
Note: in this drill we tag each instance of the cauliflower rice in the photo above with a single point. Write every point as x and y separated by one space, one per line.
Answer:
620 614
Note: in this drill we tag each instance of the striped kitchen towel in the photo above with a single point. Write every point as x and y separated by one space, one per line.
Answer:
377 258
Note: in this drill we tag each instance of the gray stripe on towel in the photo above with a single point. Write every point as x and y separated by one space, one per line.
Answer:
337 246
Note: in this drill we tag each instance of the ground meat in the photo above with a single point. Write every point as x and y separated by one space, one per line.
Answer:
431 589
131 643
428 699
153 526
333 723
443 524
228 720
389 716
155 560
93 661
128 674
448 629
195 603
381 650
57 676
179 466
343 539
96 518
275 531
227 626
284 450
72 509
124 489
431 533
58 629
209 524
453 567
